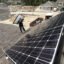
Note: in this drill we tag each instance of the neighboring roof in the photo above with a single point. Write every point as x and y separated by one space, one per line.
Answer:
60 1
47 4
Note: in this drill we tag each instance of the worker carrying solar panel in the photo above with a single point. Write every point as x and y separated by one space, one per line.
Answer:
20 22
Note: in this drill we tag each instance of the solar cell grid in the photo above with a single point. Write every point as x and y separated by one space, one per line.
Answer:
30 60
51 44
48 33
35 44
41 44
56 31
47 56
46 38
35 52
19 49
52 28
21 59
38 49
54 37
29 51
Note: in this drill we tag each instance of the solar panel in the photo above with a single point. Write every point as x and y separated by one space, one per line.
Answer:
40 49
17 19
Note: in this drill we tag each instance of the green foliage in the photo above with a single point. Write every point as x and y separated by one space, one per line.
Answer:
35 2
53 0
4 1
29 2
9 3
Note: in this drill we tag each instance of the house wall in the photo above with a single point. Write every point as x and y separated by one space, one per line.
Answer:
60 3
41 8
47 6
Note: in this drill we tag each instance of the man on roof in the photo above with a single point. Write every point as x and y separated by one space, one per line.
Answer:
21 25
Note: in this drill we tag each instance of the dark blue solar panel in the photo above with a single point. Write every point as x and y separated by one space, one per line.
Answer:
51 44
41 62
40 48
47 54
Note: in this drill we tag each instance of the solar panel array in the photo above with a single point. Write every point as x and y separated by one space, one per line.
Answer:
40 48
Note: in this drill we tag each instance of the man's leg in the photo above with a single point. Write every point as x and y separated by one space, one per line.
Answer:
20 28
23 28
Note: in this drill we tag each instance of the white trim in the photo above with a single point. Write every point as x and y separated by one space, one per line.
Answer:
11 59
57 46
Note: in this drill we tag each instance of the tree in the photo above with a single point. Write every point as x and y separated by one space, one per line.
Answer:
31 2
3 1
35 2
53 0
